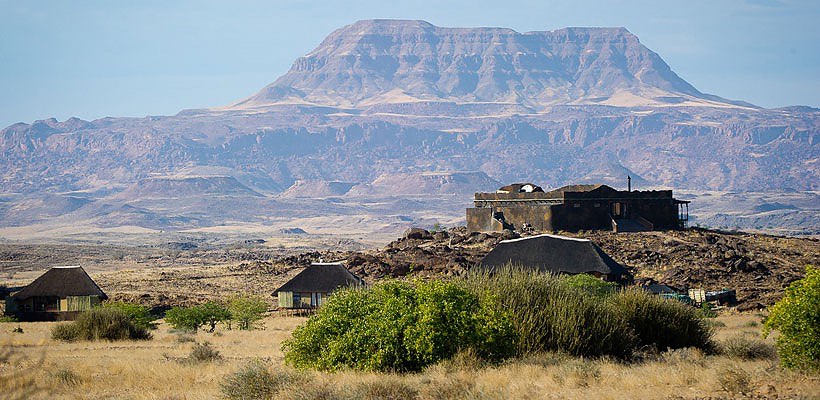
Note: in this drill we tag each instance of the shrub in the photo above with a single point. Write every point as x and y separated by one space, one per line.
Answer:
65 332
255 380
551 315
194 317
400 326
663 323
212 313
66 377
8 318
797 317
100 324
247 311
203 353
734 380
138 314
184 318
747 349
393 389
589 284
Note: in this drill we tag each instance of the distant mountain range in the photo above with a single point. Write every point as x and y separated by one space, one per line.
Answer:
391 107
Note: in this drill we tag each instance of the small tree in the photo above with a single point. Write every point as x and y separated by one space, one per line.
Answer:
188 318
247 311
212 313
797 317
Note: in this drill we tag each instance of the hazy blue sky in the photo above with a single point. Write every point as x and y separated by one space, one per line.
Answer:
92 59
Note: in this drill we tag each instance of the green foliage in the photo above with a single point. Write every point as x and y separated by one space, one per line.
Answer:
662 323
184 318
797 317
706 310
195 317
589 284
100 324
8 318
583 316
400 326
138 314
247 311
255 380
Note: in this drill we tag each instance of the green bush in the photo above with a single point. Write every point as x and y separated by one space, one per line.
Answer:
797 317
552 315
255 380
100 324
247 311
662 323
138 314
589 284
400 326
184 318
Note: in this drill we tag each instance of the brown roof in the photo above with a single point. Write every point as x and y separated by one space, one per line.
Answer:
555 254
321 278
62 282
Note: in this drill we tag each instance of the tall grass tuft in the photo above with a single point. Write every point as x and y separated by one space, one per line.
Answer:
584 318
663 323
100 324
255 380
747 349
551 315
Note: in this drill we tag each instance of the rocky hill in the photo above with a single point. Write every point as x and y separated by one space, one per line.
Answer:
384 98
759 267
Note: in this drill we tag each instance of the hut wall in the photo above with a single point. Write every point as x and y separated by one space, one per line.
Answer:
286 299
79 303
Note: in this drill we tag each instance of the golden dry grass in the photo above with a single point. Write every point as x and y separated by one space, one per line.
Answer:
151 370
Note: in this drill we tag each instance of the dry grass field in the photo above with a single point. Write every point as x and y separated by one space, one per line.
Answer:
157 369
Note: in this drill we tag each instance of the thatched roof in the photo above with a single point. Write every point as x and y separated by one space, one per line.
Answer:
62 282
552 253
321 277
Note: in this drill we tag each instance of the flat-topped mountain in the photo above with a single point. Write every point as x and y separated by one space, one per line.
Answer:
391 108
392 61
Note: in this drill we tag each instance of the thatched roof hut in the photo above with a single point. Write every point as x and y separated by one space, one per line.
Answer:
314 284
59 294
556 254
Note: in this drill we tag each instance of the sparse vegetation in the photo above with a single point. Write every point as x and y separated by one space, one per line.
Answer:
65 376
203 352
255 380
797 317
7 318
743 347
100 324
143 373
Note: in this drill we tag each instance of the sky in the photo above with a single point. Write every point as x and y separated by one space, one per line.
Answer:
92 59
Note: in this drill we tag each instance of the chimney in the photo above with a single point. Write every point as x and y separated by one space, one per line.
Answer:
628 183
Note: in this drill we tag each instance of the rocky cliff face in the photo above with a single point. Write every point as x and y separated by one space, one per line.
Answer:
386 103
389 61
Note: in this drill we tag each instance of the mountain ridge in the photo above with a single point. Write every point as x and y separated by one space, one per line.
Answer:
627 113
415 61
